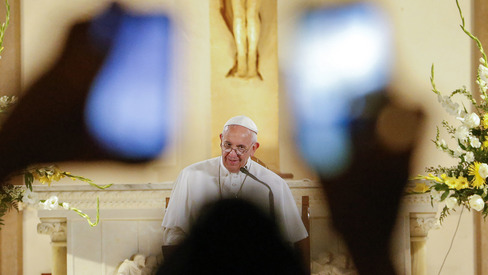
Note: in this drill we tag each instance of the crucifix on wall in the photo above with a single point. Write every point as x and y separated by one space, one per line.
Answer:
243 19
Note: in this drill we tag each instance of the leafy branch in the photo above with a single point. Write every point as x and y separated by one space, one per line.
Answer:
478 42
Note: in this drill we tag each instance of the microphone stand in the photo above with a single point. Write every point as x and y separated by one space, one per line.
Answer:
271 196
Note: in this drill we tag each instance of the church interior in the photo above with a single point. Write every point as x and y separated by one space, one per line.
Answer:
205 83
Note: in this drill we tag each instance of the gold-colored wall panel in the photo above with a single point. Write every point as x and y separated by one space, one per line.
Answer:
480 13
11 232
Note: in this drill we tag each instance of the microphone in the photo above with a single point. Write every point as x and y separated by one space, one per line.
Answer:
271 196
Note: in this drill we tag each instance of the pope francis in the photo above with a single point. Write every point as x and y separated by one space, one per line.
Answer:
232 175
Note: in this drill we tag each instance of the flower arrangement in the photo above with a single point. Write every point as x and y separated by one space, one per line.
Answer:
17 196
463 184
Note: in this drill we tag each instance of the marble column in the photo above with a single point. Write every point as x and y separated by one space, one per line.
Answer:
420 224
56 228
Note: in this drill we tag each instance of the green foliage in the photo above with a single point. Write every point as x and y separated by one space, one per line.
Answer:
10 197
4 25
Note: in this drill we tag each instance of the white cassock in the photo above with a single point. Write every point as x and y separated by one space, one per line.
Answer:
198 184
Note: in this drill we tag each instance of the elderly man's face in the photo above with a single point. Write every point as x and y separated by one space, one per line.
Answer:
239 140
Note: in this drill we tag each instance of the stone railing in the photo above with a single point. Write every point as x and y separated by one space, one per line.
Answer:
131 214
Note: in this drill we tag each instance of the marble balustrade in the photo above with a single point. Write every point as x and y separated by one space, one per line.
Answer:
131 215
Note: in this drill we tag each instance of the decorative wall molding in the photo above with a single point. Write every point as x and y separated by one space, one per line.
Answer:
118 196
417 199
126 196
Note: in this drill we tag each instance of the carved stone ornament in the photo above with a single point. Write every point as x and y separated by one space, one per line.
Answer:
421 224
57 230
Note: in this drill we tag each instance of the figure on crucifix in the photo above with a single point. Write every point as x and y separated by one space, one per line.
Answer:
243 20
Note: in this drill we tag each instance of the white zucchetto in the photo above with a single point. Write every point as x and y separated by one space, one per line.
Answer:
243 121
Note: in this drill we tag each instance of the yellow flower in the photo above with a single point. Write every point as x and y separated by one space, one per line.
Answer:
57 176
420 188
478 180
430 177
485 120
47 174
484 145
44 179
462 183
450 181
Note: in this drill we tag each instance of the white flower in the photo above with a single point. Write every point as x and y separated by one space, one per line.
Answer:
482 84
451 202
462 133
483 72
476 202
441 144
459 152
439 98
451 107
66 205
436 195
475 142
469 157
4 101
30 198
51 203
483 171
471 121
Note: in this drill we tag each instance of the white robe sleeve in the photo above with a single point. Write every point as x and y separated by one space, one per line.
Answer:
176 222
290 216
287 215
173 235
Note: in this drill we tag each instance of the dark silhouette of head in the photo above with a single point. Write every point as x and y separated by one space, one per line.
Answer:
233 237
